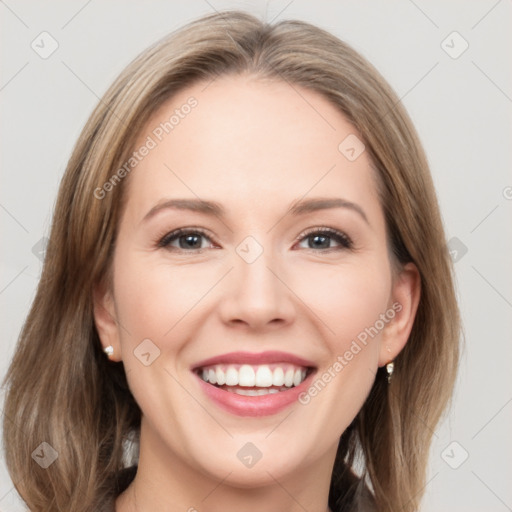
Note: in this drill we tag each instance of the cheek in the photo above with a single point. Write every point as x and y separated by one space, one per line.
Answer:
151 297
151 302
347 299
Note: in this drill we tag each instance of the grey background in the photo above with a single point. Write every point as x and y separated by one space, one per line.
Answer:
461 108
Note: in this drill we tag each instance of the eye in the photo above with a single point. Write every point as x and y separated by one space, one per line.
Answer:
187 239
320 238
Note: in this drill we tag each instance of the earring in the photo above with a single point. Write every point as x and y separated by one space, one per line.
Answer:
109 351
389 368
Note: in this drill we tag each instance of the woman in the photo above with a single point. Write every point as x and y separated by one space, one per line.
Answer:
246 302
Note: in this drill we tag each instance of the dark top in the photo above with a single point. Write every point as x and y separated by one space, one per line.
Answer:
363 502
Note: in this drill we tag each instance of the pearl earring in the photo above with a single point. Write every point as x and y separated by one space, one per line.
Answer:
109 351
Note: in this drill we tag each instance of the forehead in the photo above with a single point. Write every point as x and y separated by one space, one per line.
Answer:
244 141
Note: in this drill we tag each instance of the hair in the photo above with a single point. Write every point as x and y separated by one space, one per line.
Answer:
61 389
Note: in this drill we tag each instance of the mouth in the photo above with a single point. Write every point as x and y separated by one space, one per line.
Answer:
254 380
249 384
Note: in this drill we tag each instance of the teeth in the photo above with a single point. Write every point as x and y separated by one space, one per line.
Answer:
249 376
288 377
246 376
278 378
231 377
263 377
255 392
221 377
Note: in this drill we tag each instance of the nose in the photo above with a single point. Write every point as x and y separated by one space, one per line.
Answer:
256 296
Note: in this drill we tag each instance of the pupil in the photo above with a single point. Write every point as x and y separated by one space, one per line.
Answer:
317 237
190 240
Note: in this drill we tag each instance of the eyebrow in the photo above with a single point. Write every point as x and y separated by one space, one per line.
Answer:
297 208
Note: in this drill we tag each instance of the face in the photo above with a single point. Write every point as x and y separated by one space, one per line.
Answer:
281 287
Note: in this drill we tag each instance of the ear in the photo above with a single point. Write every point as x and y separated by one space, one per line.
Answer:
405 299
105 319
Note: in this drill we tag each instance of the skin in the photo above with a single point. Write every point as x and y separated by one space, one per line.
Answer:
255 147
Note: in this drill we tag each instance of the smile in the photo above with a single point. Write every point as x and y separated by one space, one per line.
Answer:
254 380
250 384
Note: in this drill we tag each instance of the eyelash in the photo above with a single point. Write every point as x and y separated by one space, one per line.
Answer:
340 237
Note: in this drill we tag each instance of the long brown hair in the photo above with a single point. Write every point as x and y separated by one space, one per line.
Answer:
63 391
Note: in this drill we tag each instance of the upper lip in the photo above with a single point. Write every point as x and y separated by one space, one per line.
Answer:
268 357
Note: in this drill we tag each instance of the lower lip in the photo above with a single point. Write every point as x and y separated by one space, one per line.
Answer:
263 405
